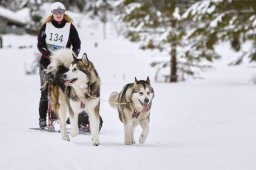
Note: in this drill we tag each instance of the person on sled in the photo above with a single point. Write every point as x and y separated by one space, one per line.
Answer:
57 32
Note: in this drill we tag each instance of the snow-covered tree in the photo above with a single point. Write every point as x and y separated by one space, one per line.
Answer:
233 21
157 24
102 9
36 17
14 5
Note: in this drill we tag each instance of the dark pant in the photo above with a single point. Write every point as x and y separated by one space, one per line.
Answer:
43 103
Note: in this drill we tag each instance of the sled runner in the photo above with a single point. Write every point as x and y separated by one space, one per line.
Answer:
83 124
45 129
82 130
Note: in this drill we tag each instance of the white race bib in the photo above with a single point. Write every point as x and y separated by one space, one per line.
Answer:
56 38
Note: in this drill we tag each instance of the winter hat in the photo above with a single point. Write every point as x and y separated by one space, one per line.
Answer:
58 8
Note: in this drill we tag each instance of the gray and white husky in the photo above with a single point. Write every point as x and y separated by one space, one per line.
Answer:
76 88
133 104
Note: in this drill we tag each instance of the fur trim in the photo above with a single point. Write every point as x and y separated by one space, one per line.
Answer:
62 57
66 17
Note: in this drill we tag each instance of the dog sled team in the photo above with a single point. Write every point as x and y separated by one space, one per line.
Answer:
71 85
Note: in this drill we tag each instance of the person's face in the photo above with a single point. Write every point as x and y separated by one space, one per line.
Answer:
58 17
58 14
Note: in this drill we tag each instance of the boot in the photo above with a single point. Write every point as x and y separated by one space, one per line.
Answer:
42 123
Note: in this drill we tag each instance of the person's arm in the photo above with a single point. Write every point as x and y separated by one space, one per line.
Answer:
41 44
75 40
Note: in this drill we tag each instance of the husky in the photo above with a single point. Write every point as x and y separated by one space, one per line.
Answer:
134 104
76 88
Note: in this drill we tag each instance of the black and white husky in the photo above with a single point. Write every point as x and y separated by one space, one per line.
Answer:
76 88
133 104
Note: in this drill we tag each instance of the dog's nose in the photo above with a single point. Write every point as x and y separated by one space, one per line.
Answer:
146 100
64 76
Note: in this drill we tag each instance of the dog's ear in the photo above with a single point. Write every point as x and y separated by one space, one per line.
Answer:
85 59
74 57
148 81
136 81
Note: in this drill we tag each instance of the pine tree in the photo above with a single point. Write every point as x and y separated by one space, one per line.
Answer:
158 24
233 21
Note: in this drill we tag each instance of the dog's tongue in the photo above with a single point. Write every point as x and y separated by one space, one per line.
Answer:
145 107
67 82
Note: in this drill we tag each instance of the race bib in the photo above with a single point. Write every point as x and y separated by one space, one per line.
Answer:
56 38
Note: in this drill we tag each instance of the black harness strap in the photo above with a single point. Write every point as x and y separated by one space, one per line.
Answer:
135 114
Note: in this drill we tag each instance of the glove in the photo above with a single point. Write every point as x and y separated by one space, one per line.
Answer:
45 59
76 51
46 53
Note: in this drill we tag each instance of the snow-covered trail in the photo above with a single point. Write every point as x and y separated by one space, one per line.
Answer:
202 124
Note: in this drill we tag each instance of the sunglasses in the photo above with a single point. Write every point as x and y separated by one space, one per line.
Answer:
58 11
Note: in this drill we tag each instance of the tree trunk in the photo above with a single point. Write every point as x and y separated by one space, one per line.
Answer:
173 77
104 31
173 54
1 42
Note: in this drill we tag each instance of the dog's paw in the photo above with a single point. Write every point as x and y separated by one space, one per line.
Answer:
74 132
66 137
142 139
128 142
95 142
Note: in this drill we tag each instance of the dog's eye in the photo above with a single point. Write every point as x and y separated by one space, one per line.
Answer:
141 93
148 93
74 69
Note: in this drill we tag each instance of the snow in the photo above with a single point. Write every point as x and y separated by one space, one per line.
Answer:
253 18
201 8
15 16
176 13
25 13
195 125
217 20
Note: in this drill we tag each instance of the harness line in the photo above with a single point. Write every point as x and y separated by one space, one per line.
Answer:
108 101
50 106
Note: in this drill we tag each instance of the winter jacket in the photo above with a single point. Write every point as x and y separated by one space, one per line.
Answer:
73 41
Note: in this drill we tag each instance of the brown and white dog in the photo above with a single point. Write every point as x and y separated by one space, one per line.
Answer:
76 88
134 104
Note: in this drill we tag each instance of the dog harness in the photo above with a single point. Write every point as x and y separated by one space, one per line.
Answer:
135 114
82 105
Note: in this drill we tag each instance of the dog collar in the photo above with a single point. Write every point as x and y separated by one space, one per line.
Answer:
135 114
82 105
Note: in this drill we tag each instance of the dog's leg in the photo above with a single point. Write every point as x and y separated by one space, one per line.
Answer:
94 127
94 118
128 132
63 129
74 124
134 125
145 126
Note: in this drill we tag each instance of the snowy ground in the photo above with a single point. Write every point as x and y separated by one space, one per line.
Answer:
205 124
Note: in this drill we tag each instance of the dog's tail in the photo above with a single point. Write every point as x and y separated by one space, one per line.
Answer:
54 96
113 99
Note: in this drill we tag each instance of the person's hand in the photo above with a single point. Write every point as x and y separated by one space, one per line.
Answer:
45 58
44 61
46 53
